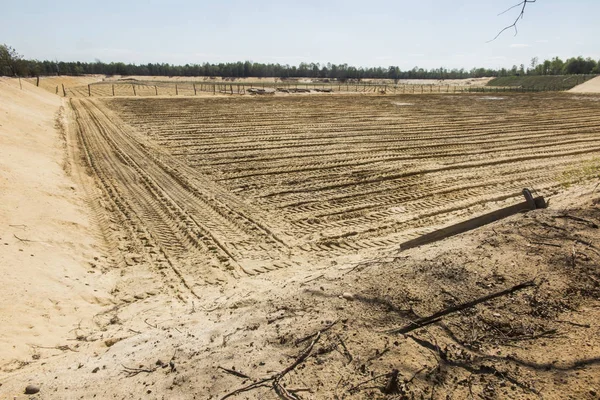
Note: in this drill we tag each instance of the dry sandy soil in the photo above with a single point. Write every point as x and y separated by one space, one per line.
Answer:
192 247
48 243
458 82
161 86
54 84
591 86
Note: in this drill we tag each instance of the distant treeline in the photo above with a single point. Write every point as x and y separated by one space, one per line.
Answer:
18 66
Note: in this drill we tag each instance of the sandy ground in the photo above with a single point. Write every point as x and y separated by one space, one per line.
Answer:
163 283
591 86
539 342
48 247
206 79
160 86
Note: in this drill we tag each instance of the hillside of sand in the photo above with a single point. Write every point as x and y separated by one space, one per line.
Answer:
591 86
48 243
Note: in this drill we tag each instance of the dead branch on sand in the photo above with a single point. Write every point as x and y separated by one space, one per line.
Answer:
421 322
234 372
134 371
276 379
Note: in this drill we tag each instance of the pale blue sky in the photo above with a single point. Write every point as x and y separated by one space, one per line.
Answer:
426 33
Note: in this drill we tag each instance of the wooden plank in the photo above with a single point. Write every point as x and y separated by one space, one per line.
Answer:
470 224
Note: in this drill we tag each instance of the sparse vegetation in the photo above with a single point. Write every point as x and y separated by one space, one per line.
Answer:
585 171
541 82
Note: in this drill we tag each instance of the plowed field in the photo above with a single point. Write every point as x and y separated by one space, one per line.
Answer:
214 188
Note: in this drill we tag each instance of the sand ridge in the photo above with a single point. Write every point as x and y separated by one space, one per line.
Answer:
47 246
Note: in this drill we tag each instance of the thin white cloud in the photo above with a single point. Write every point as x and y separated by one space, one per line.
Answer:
542 41
519 45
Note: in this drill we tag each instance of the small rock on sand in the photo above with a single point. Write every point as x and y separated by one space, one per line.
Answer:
348 296
31 389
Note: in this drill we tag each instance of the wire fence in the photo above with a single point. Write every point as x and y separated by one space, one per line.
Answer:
146 89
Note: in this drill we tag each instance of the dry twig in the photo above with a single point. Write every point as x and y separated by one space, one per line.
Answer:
357 386
234 372
305 338
276 379
134 371
450 310
23 240
514 24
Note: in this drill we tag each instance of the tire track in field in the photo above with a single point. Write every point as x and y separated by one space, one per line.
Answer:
181 223
352 173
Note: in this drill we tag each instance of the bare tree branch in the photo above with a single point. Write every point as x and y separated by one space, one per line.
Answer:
510 8
514 24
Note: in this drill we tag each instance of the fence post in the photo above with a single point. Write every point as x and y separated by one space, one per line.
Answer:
37 83
20 84
64 91
56 89
194 89
231 88
89 91
113 90
155 90
176 90
215 88
134 93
